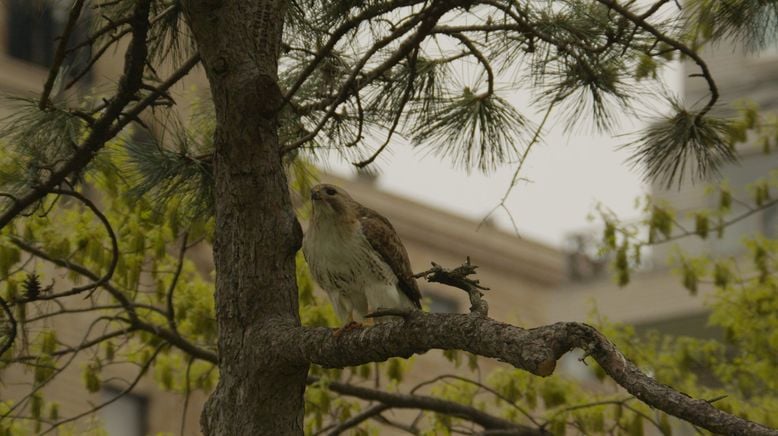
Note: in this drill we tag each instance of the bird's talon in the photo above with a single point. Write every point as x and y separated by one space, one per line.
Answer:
353 325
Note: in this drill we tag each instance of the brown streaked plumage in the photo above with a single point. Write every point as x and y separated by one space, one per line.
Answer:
357 257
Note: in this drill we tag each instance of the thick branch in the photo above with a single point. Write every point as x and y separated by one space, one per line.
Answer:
534 350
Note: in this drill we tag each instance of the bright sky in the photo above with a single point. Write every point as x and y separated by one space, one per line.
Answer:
569 173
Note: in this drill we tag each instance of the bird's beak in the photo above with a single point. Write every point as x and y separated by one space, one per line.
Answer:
315 195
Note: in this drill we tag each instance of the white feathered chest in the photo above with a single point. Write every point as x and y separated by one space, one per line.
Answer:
352 273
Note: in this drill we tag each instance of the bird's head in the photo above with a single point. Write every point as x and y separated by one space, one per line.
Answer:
331 201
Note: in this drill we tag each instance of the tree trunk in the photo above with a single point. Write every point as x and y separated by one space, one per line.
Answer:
257 234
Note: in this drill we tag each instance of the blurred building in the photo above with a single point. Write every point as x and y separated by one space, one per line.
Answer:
655 298
530 284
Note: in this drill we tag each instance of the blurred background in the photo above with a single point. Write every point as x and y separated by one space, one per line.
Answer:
538 254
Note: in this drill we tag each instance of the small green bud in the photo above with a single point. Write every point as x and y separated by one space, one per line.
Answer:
36 405
721 275
725 200
701 225
49 342
690 278
91 379
110 351
54 411
609 235
394 370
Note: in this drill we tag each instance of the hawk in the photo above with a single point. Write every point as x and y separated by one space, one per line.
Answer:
356 257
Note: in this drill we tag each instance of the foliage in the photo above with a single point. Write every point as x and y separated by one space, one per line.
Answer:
115 196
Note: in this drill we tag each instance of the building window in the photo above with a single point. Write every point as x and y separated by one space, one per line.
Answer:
442 304
33 27
127 416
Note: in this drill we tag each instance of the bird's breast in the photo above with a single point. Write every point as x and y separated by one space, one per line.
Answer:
344 261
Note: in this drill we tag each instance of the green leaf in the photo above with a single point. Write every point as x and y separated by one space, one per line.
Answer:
609 235
395 370
725 200
636 426
91 379
36 405
721 275
622 265
553 394
701 225
53 411
690 279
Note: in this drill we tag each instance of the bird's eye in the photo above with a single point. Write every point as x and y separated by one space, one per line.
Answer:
330 191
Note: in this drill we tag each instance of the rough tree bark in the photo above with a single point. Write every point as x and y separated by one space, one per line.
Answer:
257 233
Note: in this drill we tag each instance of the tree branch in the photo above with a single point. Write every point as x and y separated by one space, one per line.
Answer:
424 22
11 333
337 34
170 336
458 278
129 84
104 128
171 311
143 369
534 350
681 47
358 419
432 404
59 55
400 111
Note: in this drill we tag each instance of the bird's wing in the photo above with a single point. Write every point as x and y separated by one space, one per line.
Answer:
384 239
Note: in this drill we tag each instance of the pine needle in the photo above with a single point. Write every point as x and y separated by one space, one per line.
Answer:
475 131
684 145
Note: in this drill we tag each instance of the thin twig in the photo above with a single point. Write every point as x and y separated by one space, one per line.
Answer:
678 45
458 278
59 54
516 174
406 401
396 121
187 394
171 315
144 368
10 334
358 419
